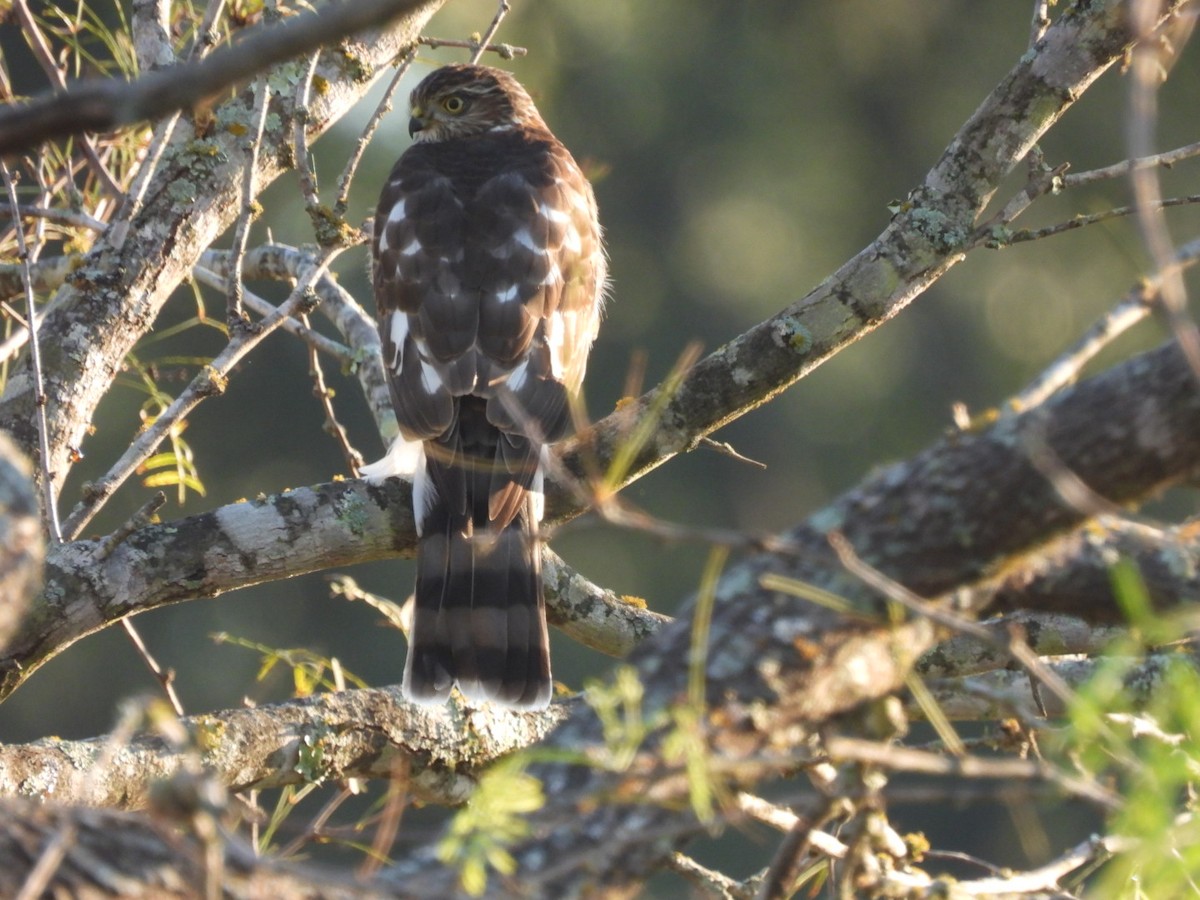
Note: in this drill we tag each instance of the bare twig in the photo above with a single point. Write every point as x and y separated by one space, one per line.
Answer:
165 677
1119 170
210 382
710 882
294 326
47 864
68 217
234 315
501 11
354 459
356 155
906 759
107 104
779 881
504 51
35 361
1040 22
206 32
1082 221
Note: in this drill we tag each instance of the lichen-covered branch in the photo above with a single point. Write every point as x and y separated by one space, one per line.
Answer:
327 737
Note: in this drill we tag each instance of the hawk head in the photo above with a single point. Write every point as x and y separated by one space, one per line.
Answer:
464 101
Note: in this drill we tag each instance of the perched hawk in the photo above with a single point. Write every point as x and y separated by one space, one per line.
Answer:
489 275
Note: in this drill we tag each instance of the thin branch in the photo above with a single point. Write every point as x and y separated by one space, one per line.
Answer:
360 146
164 677
778 883
504 51
210 382
1119 170
105 105
234 316
1082 221
206 31
35 362
906 759
68 217
293 326
324 395
305 172
502 10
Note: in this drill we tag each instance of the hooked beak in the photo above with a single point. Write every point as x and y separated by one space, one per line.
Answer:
417 122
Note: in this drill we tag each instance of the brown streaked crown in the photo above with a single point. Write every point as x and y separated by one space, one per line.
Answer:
466 100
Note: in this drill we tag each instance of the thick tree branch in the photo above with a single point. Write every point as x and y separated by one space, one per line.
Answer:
327 737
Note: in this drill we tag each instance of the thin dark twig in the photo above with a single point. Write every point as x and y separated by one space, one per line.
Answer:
389 821
165 677
501 11
316 828
385 105
321 391
1081 221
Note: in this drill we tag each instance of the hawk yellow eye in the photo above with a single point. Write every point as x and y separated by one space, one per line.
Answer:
453 104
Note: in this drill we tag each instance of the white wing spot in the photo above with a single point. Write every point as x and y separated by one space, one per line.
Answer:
413 248
397 212
571 240
509 294
553 276
525 239
516 378
430 379
398 332
553 213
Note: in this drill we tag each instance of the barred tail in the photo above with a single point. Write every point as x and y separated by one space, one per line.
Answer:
480 617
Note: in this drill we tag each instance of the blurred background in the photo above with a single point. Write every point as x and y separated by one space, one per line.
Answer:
741 152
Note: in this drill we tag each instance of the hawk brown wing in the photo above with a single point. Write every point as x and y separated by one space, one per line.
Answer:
488 273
